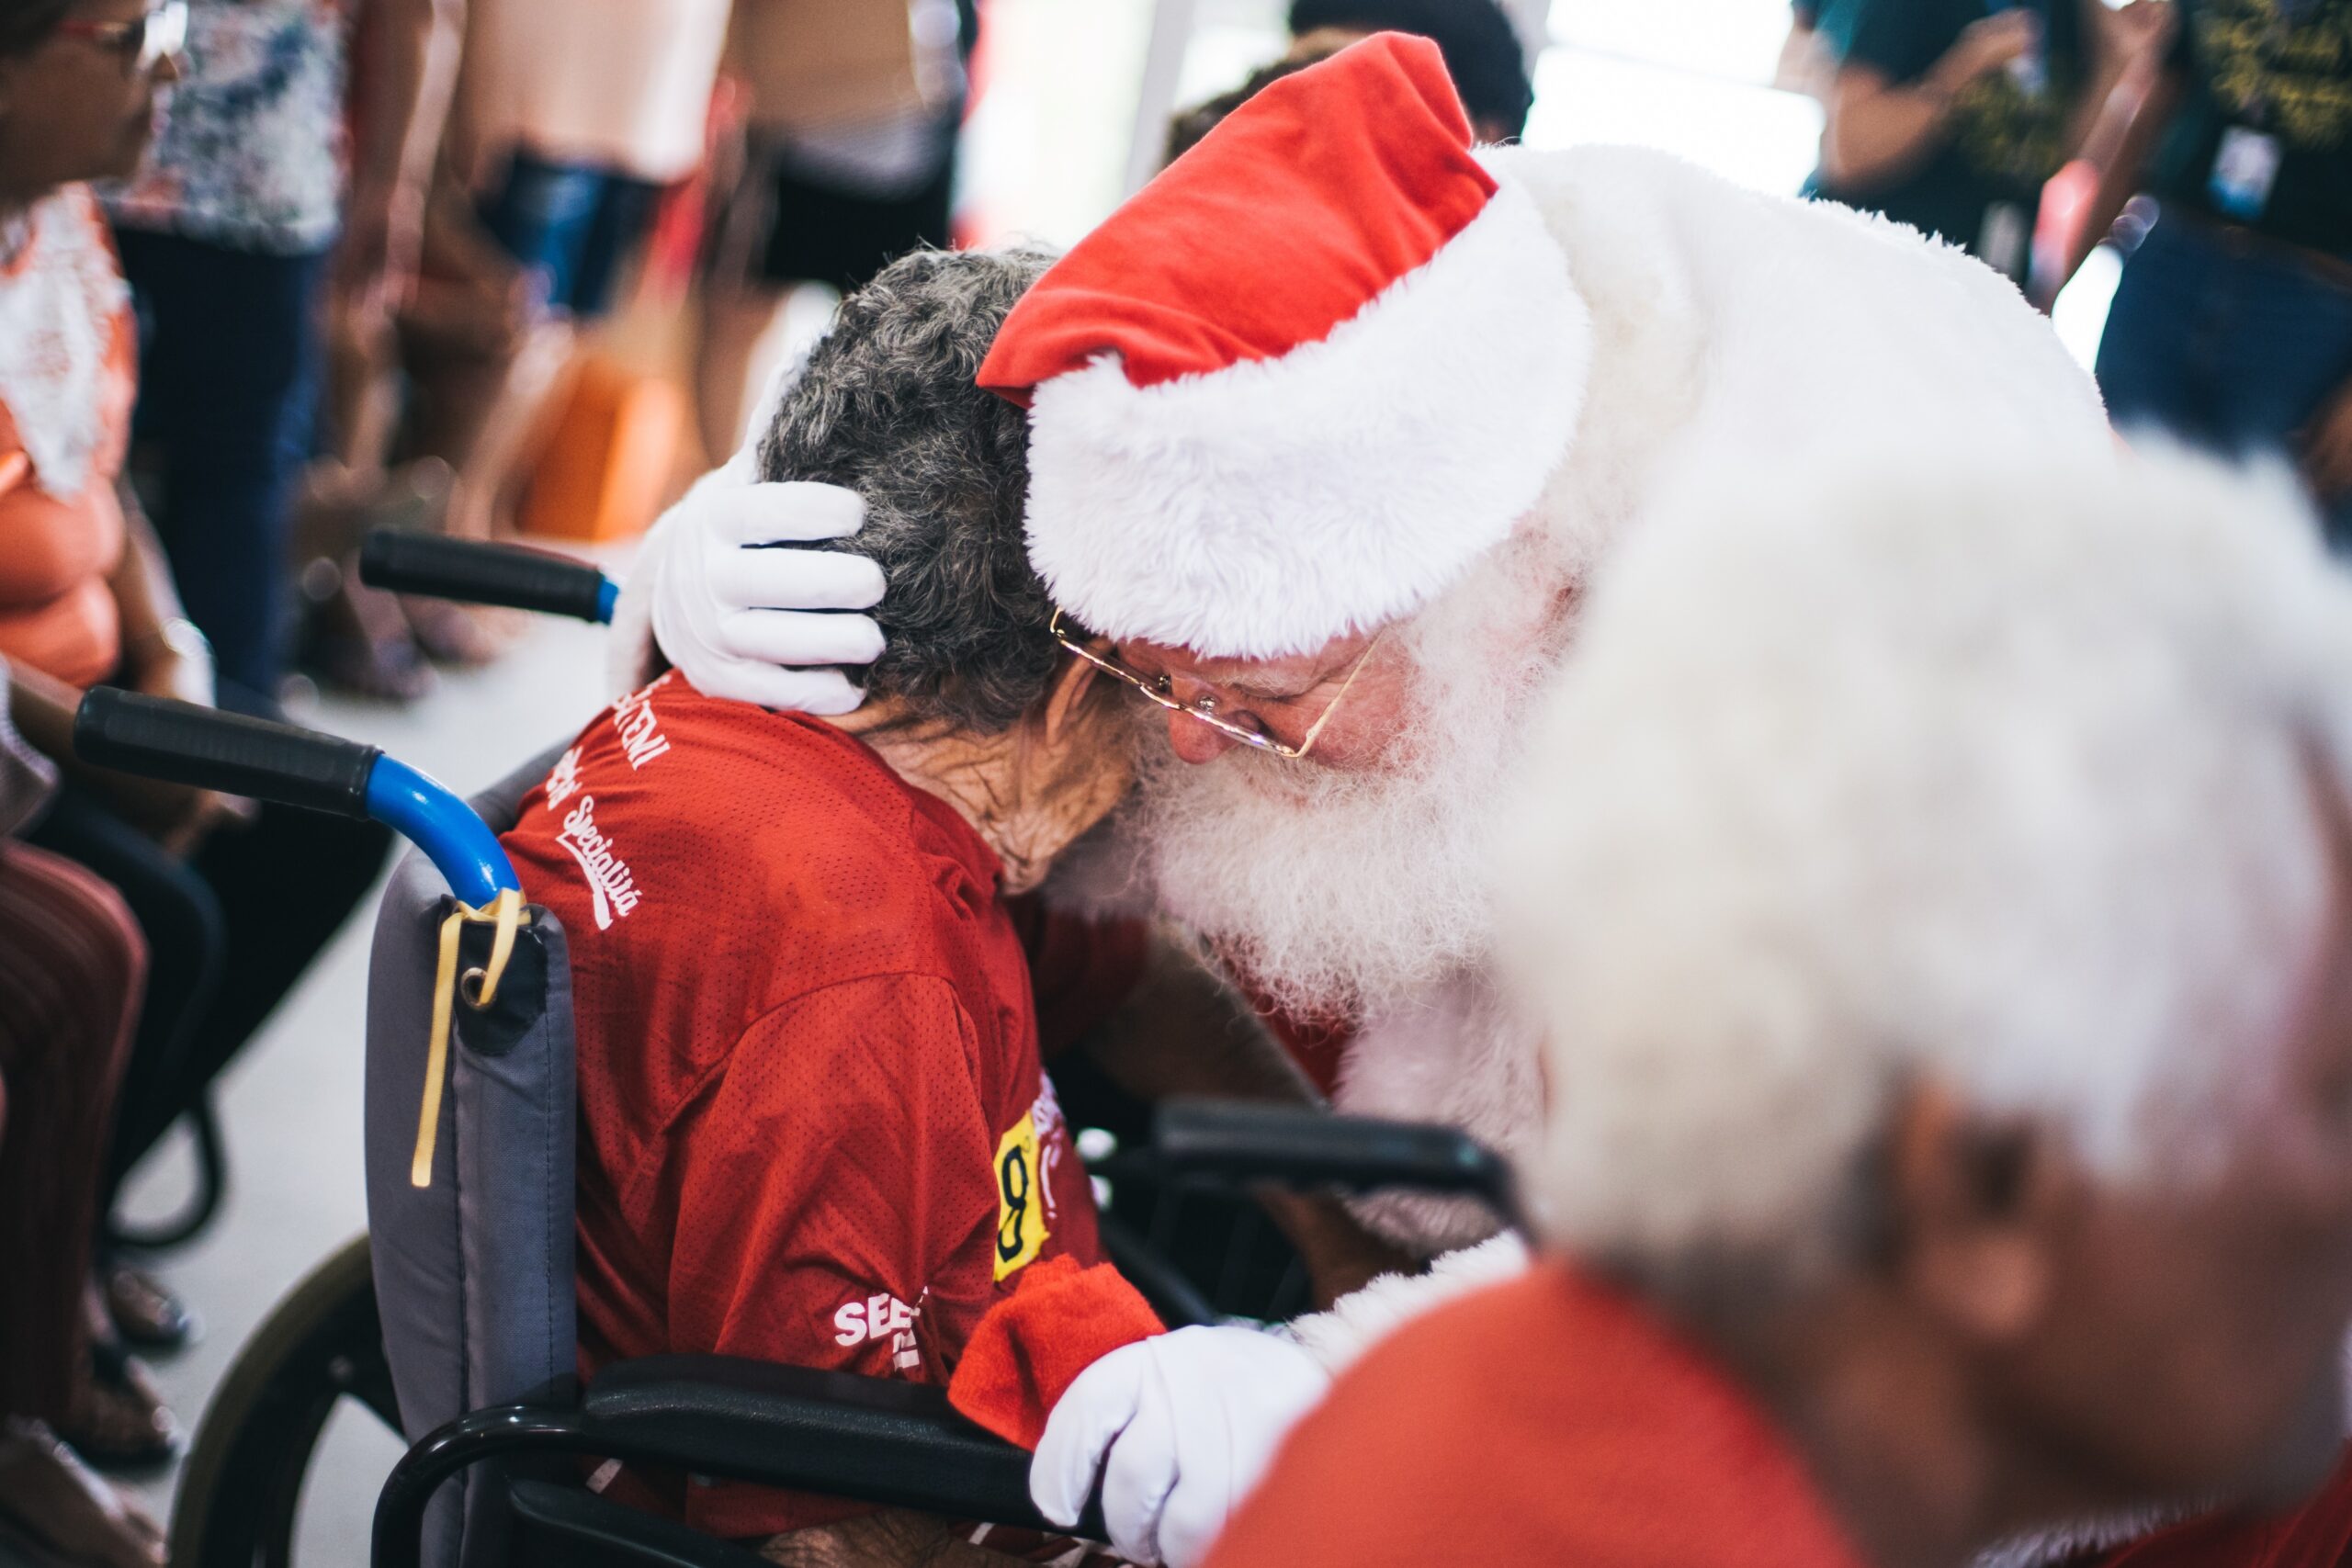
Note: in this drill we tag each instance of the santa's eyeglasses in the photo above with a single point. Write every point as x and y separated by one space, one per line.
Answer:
1160 691
146 41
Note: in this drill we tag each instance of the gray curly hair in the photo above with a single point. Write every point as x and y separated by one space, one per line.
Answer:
886 406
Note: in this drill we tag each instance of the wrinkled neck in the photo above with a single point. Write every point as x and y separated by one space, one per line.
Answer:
1026 813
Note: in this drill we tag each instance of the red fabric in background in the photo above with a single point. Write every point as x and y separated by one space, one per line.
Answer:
1080 971
2317 1535
1025 1353
1547 1420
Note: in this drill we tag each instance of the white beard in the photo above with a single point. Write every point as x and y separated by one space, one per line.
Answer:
1338 894
1361 898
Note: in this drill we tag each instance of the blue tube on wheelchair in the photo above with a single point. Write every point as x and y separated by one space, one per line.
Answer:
608 594
459 844
157 738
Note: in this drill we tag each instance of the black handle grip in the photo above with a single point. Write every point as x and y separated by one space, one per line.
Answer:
1236 1142
182 743
476 573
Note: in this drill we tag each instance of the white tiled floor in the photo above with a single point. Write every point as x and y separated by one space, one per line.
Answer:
290 1106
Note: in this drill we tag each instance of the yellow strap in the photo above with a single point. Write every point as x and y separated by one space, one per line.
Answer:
506 911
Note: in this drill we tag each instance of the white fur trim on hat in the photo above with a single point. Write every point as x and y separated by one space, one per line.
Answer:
1264 509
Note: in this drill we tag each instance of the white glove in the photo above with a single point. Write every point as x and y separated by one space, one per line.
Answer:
737 618
1181 1427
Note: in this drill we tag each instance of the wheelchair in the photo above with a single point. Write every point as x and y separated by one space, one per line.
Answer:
452 1320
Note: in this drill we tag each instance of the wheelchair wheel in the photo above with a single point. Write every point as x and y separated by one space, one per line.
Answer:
242 1491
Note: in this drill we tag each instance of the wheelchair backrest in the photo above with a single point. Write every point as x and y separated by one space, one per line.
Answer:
473 1273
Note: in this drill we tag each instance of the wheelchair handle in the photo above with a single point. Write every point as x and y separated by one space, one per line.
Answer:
472 573
204 748
1239 1143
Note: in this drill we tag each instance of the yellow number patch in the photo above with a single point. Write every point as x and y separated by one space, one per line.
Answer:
1020 1208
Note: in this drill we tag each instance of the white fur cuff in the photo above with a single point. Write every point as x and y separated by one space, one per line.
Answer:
1358 1322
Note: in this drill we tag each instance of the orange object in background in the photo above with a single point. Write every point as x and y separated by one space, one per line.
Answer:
606 468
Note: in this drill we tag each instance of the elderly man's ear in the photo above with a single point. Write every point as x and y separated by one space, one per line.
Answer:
1066 701
1978 1216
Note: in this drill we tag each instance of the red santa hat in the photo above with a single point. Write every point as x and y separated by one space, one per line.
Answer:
1304 378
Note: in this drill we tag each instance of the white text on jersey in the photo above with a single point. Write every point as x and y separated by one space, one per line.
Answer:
610 885
640 732
857 1321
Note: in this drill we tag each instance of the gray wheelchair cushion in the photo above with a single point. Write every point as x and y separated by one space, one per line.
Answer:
474 1273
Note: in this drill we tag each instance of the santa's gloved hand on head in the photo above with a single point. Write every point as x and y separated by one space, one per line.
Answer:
729 587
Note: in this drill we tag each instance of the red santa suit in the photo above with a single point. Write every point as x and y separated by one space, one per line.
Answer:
1548 1420
814 1128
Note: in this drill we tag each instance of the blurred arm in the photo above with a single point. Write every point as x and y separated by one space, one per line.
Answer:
2135 115
1183 1031
1877 133
413 53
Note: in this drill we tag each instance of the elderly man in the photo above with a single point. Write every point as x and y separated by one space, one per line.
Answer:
1934 884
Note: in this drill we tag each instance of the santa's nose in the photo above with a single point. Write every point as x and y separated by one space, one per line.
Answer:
1197 742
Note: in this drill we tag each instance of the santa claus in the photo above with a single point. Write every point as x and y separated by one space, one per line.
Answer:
1329 426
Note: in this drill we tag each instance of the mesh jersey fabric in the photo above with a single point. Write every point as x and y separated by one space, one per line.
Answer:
814 1128
1548 1419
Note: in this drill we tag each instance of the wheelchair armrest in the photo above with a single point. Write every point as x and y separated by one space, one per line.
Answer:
867 1438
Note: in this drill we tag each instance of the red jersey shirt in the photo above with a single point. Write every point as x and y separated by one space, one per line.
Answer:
813 1125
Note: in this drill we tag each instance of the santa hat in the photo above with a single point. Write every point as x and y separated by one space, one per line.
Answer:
1301 381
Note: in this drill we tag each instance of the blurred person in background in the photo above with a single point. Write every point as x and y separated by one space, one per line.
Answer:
233 905
573 117
847 161
1933 1151
2231 326
1804 65
72 970
252 199
1951 115
1483 56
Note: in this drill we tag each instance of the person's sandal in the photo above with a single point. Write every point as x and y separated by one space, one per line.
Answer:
118 1419
358 641
143 1311
60 1511
467 636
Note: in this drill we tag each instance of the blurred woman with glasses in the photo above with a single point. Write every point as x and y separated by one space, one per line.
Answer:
232 905
82 595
